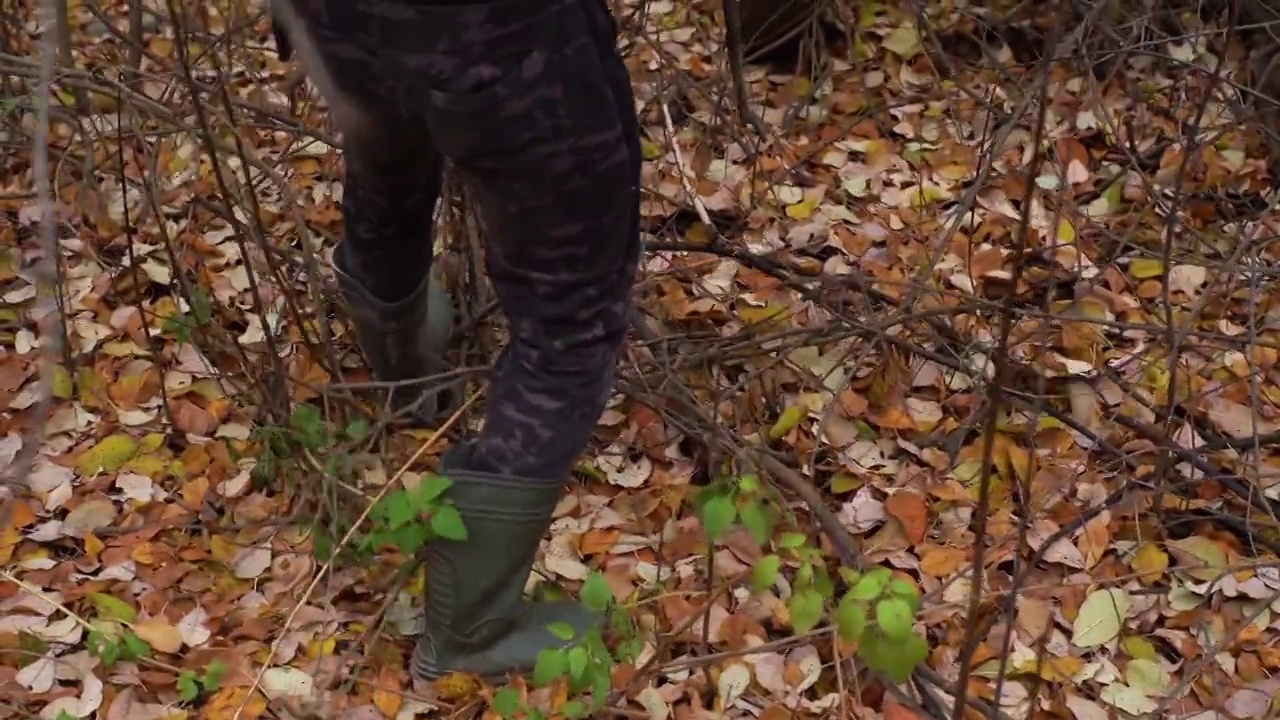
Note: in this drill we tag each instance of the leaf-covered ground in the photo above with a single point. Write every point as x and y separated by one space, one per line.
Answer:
983 312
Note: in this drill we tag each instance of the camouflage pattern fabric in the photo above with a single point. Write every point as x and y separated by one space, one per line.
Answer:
531 102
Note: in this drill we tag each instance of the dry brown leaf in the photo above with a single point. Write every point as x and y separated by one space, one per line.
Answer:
910 509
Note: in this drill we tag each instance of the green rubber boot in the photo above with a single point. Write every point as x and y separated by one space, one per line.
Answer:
477 620
403 340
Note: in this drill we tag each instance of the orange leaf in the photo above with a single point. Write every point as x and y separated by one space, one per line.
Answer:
21 515
910 509
191 418
159 634
942 562
386 693
598 542
893 418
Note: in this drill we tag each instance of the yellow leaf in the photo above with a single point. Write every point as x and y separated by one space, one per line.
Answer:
801 210
109 455
321 647
159 634
1066 232
1060 669
968 471
223 549
63 388
93 547
1150 562
904 42
925 195
787 422
1139 648
649 150
845 483
1200 557
226 704
455 686
753 315
1144 268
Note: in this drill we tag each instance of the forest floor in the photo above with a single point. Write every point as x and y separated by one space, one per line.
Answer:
1000 327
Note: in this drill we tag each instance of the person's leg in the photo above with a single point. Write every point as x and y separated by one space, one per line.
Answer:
556 173
390 187
530 102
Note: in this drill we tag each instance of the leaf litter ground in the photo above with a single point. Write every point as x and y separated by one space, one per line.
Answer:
835 297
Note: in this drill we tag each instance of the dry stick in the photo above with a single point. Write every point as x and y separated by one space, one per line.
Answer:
48 319
346 538
684 174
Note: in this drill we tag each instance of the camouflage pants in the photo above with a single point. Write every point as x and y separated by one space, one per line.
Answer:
531 102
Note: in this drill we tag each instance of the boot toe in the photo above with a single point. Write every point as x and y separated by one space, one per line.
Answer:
517 651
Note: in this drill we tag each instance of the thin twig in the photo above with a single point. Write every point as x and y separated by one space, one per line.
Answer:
346 538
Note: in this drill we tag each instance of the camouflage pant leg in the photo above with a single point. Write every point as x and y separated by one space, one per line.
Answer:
530 101
392 170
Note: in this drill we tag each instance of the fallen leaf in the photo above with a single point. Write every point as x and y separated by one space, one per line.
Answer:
89 517
109 455
1256 701
1150 562
733 681
39 675
909 508
1100 618
159 634
285 682
251 562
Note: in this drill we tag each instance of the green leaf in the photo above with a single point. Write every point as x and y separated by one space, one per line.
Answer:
717 514
851 620
765 573
787 421
894 617
432 487
506 702
308 426
112 608
551 664
409 538
874 650
137 647
64 715
601 684
881 574
562 630
446 522
398 510
188 691
868 587
577 664
905 589
756 521
748 483
575 709
213 674
806 608
596 594
357 430
792 540
906 655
